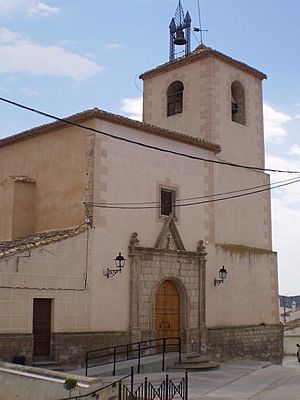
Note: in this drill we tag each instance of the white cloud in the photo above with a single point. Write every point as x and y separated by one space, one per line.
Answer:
133 108
7 36
113 46
274 124
32 8
66 42
295 150
90 55
286 232
285 164
29 92
9 6
286 223
41 9
19 55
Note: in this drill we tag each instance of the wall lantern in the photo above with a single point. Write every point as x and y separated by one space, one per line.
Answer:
222 276
120 262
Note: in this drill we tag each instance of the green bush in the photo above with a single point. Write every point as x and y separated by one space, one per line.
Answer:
70 383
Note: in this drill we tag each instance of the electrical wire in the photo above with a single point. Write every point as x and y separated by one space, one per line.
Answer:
163 150
194 203
200 197
136 85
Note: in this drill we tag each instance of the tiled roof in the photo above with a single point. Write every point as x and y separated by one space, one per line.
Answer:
202 52
291 324
289 312
117 119
9 248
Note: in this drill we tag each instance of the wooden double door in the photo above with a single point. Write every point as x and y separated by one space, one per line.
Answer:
167 311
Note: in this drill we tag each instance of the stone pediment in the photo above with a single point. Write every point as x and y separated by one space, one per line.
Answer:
169 237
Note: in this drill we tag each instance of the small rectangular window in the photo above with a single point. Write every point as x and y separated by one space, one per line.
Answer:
167 202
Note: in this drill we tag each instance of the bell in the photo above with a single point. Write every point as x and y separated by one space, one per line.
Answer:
234 106
179 39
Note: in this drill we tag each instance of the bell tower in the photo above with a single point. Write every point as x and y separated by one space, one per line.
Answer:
207 94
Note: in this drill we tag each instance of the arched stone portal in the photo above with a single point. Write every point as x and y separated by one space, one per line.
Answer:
167 290
167 310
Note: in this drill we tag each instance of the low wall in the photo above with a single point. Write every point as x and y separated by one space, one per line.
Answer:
290 344
262 342
27 383
12 345
69 348
291 337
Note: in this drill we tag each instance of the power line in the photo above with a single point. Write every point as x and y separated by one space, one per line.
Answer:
191 204
249 167
198 197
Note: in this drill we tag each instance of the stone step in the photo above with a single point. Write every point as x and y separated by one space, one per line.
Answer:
49 365
196 365
196 357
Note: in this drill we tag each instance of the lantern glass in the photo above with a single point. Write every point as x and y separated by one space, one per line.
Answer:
222 273
120 261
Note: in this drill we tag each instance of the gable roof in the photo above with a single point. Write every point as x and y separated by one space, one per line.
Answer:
200 53
27 243
83 116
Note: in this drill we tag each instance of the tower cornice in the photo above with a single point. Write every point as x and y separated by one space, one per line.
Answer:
202 52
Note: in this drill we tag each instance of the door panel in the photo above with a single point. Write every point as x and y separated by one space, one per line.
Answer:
167 311
41 327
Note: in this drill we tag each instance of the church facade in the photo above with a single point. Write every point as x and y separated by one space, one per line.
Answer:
73 198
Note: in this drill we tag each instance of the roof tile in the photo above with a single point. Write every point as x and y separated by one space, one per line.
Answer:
114 118
12 247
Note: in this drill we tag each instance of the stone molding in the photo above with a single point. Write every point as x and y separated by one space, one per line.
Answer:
169 231
200 53
236 248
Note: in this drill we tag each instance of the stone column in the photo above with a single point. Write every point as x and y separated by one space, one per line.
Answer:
201 256
135 263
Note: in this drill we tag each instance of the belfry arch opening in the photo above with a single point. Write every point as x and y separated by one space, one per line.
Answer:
238 108
175 98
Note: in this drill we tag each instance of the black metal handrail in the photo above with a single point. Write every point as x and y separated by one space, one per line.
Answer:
113 384
132 351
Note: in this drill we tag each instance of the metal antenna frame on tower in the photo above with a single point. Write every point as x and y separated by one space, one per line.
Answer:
180 23
200 24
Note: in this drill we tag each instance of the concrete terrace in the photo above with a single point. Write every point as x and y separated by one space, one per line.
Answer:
235 380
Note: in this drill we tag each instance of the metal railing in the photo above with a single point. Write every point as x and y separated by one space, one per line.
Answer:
96 392
132 351
167 390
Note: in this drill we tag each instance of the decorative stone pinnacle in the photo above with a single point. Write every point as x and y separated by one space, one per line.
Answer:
201 248
134 241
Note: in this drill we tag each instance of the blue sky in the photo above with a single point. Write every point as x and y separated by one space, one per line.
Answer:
67 56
